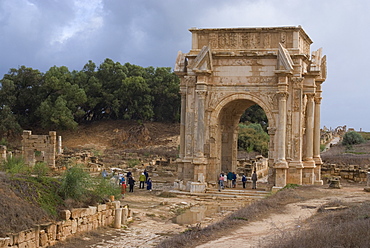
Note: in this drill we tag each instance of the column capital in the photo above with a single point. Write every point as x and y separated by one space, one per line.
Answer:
318 100
310 96
282 95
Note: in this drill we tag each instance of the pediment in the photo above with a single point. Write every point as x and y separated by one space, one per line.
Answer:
203 62
181 63
285 62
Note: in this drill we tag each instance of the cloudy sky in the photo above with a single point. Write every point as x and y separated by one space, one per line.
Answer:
44 33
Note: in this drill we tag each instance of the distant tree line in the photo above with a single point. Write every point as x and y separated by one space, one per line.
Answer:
62 99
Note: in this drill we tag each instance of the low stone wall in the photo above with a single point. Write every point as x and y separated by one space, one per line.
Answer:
348 172
73 222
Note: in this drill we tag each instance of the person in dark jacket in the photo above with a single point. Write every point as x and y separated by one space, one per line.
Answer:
149 184
234 180
229 177
244 181
254 180
131 183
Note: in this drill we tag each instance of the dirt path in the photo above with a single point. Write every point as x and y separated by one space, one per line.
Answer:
152 221
293 216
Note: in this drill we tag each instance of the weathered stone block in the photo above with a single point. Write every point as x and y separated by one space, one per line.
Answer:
74 226
4 242
93 210
101 207
76 213
65 214
43 238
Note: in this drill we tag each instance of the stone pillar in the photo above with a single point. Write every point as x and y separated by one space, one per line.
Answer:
281 165
281 131
201 93
316 142
118 218
124 215
308 162
60 149
183 121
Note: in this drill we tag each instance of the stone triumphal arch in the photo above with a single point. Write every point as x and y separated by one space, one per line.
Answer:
230 69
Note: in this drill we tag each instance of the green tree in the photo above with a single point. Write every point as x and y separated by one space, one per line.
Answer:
255 114
165 87
21 92
252 137
63 100
352 138
134 100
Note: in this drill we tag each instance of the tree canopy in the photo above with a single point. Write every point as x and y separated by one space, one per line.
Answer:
62 99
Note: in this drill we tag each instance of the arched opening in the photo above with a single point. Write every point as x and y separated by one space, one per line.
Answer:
234 115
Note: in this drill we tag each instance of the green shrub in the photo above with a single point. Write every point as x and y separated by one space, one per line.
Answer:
252 137
41 169
133 162
14 165
75 183
103 188
352 138
322 147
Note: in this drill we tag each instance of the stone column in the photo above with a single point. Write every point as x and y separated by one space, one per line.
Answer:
308 162
118 218
201 93
183 121
281 131
316 142
281 165
200 161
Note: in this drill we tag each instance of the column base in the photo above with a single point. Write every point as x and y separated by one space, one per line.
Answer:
319 182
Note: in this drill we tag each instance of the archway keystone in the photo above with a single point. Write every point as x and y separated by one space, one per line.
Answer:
227 71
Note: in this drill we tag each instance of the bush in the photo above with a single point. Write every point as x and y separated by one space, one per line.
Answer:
104 188
75 183
14 165
352 138
252 137
41 169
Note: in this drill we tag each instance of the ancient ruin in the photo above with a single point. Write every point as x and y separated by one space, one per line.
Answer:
228 70
41 148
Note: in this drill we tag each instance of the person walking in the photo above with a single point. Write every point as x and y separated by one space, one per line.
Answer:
229 177
254 180
149 184
131 183
234 180
221 180
123 187
142 180
244 180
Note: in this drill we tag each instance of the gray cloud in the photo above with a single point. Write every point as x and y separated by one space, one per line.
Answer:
40 34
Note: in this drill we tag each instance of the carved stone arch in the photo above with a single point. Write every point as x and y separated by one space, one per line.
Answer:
228 70
263 103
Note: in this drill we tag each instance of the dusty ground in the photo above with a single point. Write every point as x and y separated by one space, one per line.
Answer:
153 215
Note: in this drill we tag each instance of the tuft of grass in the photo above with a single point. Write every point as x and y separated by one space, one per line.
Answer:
133 162
341 228
255 211
14 165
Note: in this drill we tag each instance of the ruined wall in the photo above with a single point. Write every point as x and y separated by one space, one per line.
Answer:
39 148
348 172
73 222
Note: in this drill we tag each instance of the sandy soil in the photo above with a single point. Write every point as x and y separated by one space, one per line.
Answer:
153 220
292 217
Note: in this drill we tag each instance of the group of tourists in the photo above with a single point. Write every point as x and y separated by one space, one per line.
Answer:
120 179
231 179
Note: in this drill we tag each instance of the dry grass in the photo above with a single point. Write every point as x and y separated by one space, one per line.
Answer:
342 228
256 211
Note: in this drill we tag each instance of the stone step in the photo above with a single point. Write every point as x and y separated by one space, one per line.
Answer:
227 193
